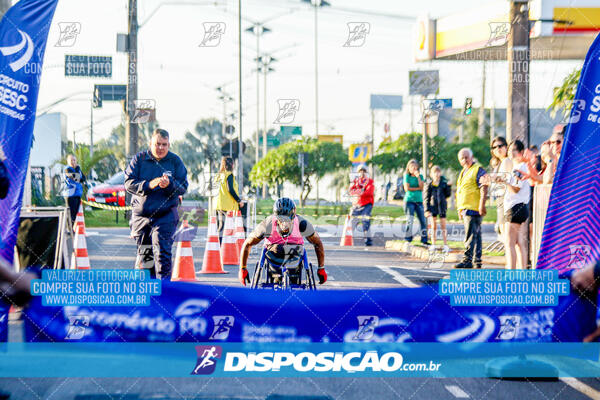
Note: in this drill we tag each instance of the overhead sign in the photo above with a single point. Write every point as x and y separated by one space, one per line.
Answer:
331 138
94 66
288 133
109 93
386 102
423 82
359 152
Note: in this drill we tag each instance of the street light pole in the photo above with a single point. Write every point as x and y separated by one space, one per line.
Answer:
131 128
240 152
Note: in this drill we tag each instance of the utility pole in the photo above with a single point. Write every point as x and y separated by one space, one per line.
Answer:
517 112
481 116
424 144
91 129
240 147
131 128
372 142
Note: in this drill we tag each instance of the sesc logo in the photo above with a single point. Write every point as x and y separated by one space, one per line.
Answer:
25 43
287 111
212 34
357 33
207 359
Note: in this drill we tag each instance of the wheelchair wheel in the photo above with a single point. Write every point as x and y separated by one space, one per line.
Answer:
255 277
310 275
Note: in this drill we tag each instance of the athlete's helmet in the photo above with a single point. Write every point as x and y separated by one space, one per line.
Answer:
284 206
284 210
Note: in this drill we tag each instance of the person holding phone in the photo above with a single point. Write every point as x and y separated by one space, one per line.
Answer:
413 200
516 208
156 178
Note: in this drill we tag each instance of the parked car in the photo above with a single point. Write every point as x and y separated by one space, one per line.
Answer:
111 192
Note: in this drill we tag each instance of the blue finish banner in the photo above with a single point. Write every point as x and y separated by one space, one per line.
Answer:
381 360
572 226
189 312
23 34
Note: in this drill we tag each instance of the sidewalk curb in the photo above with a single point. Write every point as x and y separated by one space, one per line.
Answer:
422 252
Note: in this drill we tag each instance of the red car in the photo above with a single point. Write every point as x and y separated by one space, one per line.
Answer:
111 192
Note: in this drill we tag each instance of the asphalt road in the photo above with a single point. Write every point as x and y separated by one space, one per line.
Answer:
356 267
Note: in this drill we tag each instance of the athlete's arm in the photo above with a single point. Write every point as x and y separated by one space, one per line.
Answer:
248 243
319 248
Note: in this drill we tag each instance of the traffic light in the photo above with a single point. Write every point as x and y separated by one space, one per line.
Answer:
468 106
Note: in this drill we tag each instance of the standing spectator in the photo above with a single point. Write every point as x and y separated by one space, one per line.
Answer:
471 193
502 167
556 142
413 200
516 208
227 199
156 178
363 190
73 189
436 192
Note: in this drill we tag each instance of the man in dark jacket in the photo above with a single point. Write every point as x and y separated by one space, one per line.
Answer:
156 178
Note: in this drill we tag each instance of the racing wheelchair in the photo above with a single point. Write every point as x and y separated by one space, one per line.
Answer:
290 272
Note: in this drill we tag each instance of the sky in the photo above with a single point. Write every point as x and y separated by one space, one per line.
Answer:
181 76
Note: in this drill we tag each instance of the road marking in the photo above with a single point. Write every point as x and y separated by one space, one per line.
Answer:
433 271
457 392
398 277
582 387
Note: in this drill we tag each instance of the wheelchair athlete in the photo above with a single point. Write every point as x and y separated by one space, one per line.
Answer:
284 234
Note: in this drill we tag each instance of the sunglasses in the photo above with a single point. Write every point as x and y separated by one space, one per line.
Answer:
498 146
555 141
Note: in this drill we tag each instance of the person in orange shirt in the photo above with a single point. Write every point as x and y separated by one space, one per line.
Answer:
363 191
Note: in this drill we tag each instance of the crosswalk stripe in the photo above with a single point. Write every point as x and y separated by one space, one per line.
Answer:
398 277
457 392
582 387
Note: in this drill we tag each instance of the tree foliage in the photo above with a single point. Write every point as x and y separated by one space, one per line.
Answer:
564 94
281 164
392 157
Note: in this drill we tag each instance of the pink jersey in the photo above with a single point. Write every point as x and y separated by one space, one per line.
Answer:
294 238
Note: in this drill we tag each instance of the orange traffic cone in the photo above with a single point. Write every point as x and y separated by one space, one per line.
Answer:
80 258
79 220
211 263
183 269
229 249
347 239
239 231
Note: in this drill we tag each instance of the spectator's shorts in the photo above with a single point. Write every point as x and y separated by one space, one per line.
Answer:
517 214
441 215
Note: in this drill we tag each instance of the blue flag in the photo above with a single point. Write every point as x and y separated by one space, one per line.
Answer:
23 33
572 227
